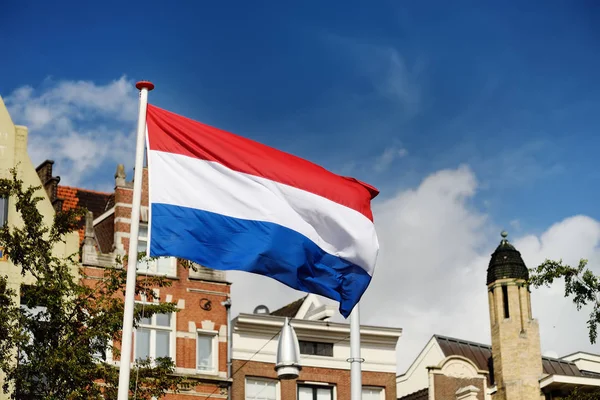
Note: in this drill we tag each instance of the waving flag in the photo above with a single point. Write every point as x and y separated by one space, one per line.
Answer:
229 203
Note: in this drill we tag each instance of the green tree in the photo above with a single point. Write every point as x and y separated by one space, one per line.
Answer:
578 394
583 286
580 284
51 345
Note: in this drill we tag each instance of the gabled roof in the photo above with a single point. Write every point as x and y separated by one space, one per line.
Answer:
73 198
93 201
481 355
308 307
290 310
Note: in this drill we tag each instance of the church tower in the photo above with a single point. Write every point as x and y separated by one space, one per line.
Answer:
515 334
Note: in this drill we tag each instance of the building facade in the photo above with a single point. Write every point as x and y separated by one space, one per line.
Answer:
512 368
13 154
324 351
195 337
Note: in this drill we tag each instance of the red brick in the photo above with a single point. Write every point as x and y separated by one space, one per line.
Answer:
213 292
340 378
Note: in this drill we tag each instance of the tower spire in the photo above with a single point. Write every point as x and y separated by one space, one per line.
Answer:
516 348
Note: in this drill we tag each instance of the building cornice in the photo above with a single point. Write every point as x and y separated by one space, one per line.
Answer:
569 380
270 325
581 355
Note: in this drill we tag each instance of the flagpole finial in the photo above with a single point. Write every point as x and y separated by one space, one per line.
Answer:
144 84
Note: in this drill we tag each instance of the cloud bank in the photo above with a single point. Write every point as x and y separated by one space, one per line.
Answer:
431 273
83 126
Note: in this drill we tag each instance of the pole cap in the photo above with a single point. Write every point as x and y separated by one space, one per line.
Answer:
144 85
288 353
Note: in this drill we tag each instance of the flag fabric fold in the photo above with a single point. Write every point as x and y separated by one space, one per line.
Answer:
229 203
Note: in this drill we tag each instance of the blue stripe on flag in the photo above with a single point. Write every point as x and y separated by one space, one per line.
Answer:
225 243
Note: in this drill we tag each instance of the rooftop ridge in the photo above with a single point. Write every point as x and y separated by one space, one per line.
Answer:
486 346
490 347
580 352
85 190
289 310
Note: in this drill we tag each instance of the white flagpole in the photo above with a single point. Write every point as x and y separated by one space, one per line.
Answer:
144 87
355 360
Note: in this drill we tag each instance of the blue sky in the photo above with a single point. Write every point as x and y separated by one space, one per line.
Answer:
389 92
510 89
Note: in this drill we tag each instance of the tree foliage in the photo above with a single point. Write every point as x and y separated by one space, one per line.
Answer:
578 394
53 338
580 283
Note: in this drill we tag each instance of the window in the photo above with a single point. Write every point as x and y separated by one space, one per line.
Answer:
261 389
3 211
372 393
159 266
206 351
505 301
99 347
316 348
315 392
153 337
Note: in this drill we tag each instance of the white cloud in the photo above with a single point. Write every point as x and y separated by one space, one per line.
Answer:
431 274
389 155
515 224
79 124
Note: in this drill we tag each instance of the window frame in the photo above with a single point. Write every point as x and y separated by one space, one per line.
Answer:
213 336
315 389
152 265
381 391
3 211
261 379
303 343
152 327
505 302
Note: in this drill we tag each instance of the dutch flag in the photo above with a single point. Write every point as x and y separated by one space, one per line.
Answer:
229 203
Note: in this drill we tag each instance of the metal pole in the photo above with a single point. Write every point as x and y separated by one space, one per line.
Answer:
144 87
355 360
227 304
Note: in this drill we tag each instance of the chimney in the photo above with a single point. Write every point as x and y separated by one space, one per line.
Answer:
120 176
50 183
89 229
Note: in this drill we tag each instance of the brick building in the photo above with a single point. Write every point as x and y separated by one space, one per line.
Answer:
196 336
512 368
324 350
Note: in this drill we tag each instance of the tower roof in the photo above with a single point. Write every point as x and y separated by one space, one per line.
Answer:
506 263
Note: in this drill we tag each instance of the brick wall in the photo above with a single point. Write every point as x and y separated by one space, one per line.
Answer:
288 388
445 387
189 294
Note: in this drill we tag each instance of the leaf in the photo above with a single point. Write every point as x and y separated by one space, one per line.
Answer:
62 324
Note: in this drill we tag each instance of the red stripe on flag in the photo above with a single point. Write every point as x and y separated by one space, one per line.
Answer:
173 133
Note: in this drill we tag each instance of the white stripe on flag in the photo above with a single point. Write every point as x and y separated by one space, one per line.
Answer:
205 185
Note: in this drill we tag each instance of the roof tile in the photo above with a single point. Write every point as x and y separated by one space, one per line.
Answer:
93 201
481 355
